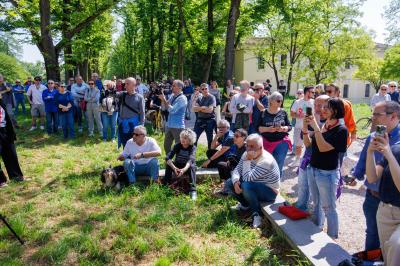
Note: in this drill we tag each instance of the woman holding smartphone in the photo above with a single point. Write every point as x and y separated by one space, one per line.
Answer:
387 171
274 127
323 171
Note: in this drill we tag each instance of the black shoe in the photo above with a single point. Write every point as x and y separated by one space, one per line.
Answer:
19 179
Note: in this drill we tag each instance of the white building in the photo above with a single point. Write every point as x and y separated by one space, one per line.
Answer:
249 66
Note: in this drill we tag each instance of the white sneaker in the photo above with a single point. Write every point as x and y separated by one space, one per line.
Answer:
257 221
80 130
295 163
239 207
32 129
41 127
193 195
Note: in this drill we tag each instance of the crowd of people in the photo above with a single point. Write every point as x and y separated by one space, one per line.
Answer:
247 131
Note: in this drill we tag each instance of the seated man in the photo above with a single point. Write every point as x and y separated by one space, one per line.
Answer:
223 138
140 156
255 179
184 163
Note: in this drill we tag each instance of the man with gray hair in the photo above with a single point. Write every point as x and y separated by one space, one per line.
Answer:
78 90
255 179
223 138
131 111
393 92
176 107
140 87
381 96
140 156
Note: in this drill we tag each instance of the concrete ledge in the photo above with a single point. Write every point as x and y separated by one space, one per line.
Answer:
305 236
200 173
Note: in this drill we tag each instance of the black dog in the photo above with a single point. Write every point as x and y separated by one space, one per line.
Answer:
114 177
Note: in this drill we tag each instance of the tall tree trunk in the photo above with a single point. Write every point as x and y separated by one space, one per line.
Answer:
210 42
179 67
152 43
234 13
48 50
161 27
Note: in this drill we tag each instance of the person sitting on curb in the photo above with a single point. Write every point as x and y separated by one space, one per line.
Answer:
223 138
140 156
185 161
255 179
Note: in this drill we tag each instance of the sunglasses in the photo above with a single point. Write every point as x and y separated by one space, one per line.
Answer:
91 83
204 89
278 101
237 136
50 82
37 79
136 134
383 89
392 86
328 92
221 127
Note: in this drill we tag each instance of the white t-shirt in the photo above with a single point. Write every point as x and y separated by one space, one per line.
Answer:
299 107
131 149
36 93
248 101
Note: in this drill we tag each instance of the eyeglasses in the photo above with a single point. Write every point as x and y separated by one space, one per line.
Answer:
328 91
50 83
37 79
278 101
204 89
137 134
237 136
91 83
382 113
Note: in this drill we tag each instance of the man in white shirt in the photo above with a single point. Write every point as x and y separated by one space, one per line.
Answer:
241 107
381 96
34 94
298 111
140 156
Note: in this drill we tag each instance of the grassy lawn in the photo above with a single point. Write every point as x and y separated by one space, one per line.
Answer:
67 218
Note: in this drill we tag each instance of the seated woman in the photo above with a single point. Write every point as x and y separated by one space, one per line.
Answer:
255 179
387 171
274 127
223 138
323 172
235 153
184 163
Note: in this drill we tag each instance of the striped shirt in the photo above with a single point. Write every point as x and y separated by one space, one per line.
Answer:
2 117
264 170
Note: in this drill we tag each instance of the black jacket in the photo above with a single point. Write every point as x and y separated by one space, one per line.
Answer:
11 136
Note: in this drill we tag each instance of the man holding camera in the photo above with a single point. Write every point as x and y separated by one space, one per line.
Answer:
176 107
385 114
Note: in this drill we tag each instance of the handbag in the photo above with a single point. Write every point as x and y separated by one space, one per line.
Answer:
82 105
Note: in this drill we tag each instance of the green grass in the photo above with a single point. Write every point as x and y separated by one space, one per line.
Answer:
67 218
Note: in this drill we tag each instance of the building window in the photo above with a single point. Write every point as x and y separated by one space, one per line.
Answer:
260 62
283 61
367 87
347 65
346 91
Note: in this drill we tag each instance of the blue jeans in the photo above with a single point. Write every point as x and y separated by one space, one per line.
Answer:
253 193
279 154
18 102
52 122
78 114
207 125
67 123
303 191
134 169
323 185
109 121
370 208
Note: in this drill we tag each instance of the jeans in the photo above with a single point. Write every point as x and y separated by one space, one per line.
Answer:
253 193
52 122
207 125
370 208
19 102
78 114
279 154
323 185
67 123
109 121
303 191
134 169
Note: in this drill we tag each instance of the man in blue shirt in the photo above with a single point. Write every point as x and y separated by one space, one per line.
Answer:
387 114
51 108
260 103
78 90
19 96
176 107
188 90
394 94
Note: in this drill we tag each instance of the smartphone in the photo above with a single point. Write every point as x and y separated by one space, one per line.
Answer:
308 111
380 131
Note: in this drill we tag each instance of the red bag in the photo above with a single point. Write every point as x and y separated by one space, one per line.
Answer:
292 212
82 105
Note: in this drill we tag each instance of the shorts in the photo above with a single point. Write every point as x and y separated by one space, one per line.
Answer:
297 139
37 110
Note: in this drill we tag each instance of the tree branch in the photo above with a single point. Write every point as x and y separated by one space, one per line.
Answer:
83 24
